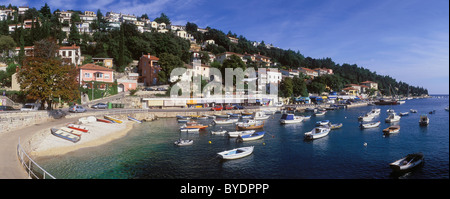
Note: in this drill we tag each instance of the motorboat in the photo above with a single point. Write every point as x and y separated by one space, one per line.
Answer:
221 132
404 114
366 118
424 120
306 117
392 118
183 120
260 116
253 136
290 119
227 121
235 134
370 125
181 142
234 114
320 113
390 111
222 115
65 135
236 153
407 163
189 130
375 111
323 123
391 130
413 110
250 124
317 133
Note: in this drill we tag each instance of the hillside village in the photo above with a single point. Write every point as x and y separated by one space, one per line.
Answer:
113 54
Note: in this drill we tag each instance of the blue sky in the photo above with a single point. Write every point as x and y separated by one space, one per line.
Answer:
405 39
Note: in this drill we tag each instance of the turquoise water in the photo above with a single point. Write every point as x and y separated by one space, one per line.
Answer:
147 152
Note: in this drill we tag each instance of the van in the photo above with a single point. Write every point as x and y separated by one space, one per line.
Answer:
30 107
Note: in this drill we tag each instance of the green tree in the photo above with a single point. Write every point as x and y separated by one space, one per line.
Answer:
286 88
163 18
74 35
6 44
299 87
168 62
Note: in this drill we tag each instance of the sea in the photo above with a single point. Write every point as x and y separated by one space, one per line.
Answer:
148 150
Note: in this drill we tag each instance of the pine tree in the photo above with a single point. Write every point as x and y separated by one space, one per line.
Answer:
74 36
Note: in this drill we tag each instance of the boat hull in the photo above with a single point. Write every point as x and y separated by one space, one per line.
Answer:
407 164
236 153
113 119
65 135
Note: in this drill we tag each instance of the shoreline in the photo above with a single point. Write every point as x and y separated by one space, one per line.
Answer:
44 144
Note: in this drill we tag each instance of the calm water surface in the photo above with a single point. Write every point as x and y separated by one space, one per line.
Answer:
148 150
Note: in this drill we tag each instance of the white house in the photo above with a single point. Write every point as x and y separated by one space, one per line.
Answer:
223 56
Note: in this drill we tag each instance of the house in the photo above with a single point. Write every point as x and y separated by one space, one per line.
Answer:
233 40
22 10
4 14
199 69
148 69
350 91
107 62
370 84
92 72
290 73
323 71
308 72
71 53
128 82
223 56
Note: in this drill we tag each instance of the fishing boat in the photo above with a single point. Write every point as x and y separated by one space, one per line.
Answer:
403 113
424 120
218 132
227 121
236 153
134 119
407 163
181 142
317 133
387 102
370 125
413 110
392 118
366 118
194 125
104 120
78 127
336 126
65 135
113 119
253 136
391 130
251 124
320 113
290 119
323 123
260 116
235 134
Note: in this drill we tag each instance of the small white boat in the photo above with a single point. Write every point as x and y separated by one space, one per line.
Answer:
392 118
189 130
218 132
391 130
317 133
227 121
375 111
413 110
320 113
260 116
253 136
181 142
222 115
370 125
404 113
236 153
183 120
235 134
290 119
323 123
424 120
390 111
307 117
366 118
407 163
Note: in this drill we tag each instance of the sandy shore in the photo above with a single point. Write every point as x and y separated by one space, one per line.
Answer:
45 144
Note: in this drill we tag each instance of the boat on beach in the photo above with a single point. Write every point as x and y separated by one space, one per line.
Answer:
65 135
391 130
78 127
317 133
235 134
73 131
112 119
370 125
251 124
236 153
290 119
181 142
407 163
252 136
104 120
424 120
134 119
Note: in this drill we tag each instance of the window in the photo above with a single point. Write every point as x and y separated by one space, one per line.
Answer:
87 75
70 53
63 53
106 76
99 75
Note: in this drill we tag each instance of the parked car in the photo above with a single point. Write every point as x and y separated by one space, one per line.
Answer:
161 89
228 107
30 107
237 106
148 89
217 108
100 105
77 109
7 108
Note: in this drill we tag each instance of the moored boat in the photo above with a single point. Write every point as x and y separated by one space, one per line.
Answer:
78 127
227 121
320 113
366 118
392 118
181 142
189 130
251 124
65 135
236 153
323 123
403 113
391 130
317 133
336 126
260 116
407 163
290 119
235 134
370 125
222 115
424 120
218 132
413 110
253 136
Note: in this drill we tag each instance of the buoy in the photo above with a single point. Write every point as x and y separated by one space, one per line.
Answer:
209 142
264 143
365 143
